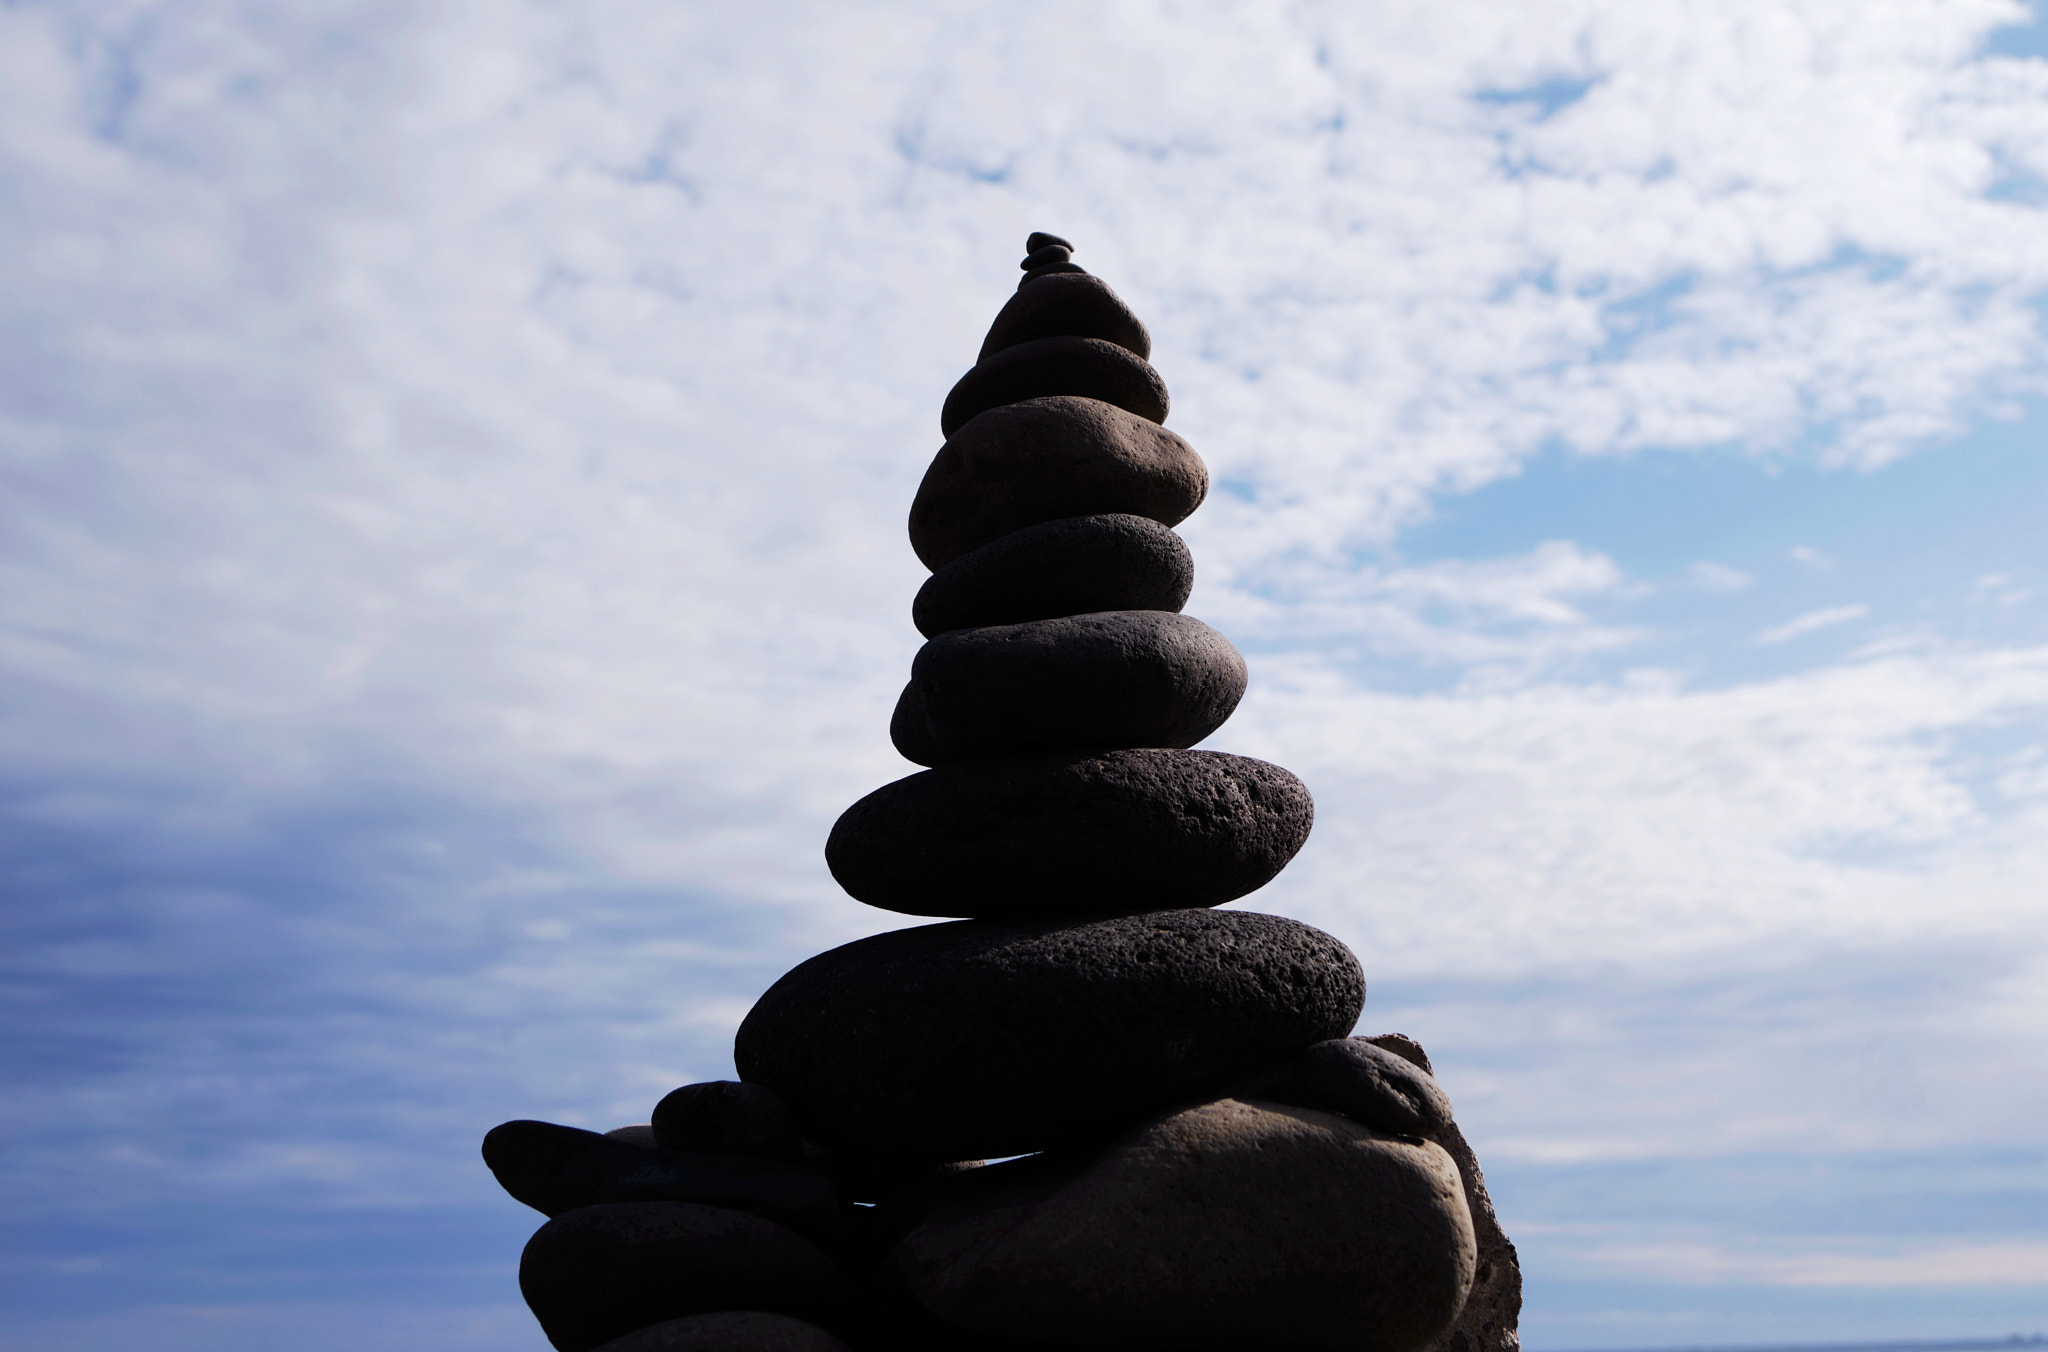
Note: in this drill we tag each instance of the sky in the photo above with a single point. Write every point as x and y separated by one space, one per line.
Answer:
453 573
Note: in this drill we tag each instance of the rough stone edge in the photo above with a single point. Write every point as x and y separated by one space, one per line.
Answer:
1492 1314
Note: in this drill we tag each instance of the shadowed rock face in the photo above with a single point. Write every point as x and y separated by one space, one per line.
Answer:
1218 1166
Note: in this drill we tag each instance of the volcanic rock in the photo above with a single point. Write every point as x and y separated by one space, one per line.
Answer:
1042 459
724 1117
1074 305
1088 367
728 1331
979 1039
1368 1084
1072 566
1070 833
601 1272
1122 678
556 1169
1227 1226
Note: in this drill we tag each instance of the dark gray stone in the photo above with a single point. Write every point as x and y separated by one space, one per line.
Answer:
639 1134
1070 833
1051 253
601 1272
1087 367
1490 1321
1049 270
1039 239
1368 1084
1074 305
556 1169
1226 1226
1074 566
728 1331
978 1039
1122 678
1043 459
725 1117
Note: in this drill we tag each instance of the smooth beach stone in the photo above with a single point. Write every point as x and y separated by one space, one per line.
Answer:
1039 239
1121 678
601 1272
725 1117
1232 1225
639 1134
1088 367
1369 1085
981 1039
556 1169
1043 459
1074 566
1068 833
1075 305
1051 253
728 1331
1049 270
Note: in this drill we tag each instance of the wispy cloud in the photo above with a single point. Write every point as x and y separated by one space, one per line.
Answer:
1949 1265
1824 618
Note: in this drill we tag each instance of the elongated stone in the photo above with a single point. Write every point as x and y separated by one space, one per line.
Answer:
1088 367
1042 459
1070 305
975 1039
1122 678
1075 566
1066 833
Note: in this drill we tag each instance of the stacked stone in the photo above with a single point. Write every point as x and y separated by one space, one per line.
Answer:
1208 1161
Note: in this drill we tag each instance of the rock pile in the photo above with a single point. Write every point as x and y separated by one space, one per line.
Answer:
1204 1158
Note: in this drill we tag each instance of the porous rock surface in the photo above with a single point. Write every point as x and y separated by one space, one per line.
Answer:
1120 678
977 1038
1043 459
1071 833
600 1272
1076 305
1072 566
1226 1226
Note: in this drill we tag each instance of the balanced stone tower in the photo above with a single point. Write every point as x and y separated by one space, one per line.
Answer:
1195 1152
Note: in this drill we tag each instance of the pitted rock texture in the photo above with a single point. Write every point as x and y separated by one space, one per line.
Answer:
1368 1084
556 1169
1122 678
601 1272
1042 459
1070 833
728 1331
1088 367
1074 305
725 1117
1073 566
1227 1226
977 1039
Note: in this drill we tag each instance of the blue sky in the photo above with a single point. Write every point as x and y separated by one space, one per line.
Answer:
456 460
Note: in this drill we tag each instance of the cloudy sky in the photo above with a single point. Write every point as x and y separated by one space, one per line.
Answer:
456 459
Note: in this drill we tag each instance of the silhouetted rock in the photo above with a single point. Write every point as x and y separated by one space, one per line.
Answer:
1043 459
1049 270
1070 833
978 1039
1122 678
1074 566
1050 254
1075 305
725 1117
639 1134
600 1272
1227 1226
556 1169
729 1331
1368 1084
1039 239
1088 367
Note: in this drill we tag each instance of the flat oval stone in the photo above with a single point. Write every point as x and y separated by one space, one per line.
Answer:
1232 1225
1049 270
1088 367
1076 305
728 1331
1074 566
601 1272
1122 678
725 1117
1370 1085
978 1039
1043 459
1065 833
1039 239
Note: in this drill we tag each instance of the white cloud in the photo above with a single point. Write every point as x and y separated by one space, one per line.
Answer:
1718 577
1951 1265
1825 618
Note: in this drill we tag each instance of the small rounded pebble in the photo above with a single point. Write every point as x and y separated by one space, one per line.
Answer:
1051 253
725 1117
1038 239
1371 1085
1088 367
728 1331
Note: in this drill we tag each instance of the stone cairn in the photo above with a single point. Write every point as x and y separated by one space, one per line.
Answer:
1205 1158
